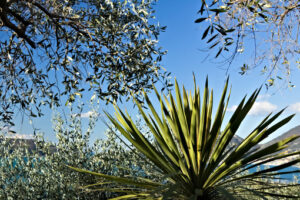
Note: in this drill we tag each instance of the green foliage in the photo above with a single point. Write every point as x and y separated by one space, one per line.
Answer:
271 26
191 149
51 49
41 172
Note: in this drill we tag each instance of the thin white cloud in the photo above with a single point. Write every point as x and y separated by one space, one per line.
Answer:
232 108
262 107
19 136
4 129
88 114
258 108
263 96
295 107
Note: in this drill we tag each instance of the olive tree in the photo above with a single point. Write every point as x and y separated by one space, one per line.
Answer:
50 49
265 33
39 171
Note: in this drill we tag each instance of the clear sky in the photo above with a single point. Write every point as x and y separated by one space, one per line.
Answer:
183 41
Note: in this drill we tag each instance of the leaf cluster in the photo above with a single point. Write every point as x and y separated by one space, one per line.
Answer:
264 32
53 50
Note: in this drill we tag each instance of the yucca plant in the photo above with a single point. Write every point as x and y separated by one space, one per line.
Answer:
191 150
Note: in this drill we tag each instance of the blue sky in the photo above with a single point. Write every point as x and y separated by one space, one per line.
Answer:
183 41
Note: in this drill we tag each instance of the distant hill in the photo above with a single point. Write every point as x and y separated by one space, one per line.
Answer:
294 145
29 144
236 139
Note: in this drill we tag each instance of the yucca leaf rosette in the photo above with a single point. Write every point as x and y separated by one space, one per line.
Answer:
192 151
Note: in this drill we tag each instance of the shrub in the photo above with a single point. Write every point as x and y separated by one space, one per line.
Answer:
41 172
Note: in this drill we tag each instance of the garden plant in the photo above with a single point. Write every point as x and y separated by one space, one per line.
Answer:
190 150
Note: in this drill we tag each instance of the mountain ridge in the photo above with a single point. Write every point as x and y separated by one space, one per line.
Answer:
294 145
236 140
